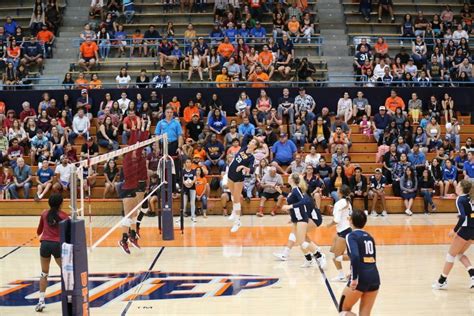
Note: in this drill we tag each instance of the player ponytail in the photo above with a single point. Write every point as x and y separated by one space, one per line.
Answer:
346 192
55 201
299 181
466 188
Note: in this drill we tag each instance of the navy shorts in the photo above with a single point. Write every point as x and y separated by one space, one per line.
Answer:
344 233
366 287
466 233
316 217
298 215
50 248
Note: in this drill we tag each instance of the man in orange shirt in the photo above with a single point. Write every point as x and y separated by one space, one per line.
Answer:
190 111
265 59
393 102
225 50
258 77
294 28
89 54
46 38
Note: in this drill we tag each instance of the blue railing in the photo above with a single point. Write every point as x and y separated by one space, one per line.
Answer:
395 39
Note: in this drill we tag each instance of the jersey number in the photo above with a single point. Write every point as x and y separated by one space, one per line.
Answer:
369 247
239 159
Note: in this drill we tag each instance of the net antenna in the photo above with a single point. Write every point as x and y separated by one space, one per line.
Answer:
77 178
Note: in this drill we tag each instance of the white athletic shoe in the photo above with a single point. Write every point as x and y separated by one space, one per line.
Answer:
384 213
40 306
280 256
309 264
472 283
322 261
193 219
373 214
231 216
440 286
366 213
408 212
339 278
235 227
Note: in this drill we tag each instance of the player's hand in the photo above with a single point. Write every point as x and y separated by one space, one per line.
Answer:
354 284
286 208
451 233
278 188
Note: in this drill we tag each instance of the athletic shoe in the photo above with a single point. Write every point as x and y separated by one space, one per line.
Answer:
322 260
440 286
366 213
408 212
384 213
193 219
235 227
124 246
280 256
37 198
273 213
309 264
134 242
231 216
40 306
260 214
374 214
339 278
472 283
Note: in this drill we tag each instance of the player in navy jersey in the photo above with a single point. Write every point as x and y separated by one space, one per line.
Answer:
365 280
241 165
142 180
304 217
463 234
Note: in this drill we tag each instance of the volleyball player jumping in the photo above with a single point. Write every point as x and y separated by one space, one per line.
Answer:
365 280
129 196
241 165
463 234
48 228
304 217
142 181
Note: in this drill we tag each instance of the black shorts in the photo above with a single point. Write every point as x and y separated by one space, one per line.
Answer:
344 233
141 186
50 248
87 59
360 113
298 215
466 233
235 176
130 193
366 287
269 196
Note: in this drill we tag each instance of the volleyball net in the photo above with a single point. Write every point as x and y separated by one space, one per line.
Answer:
101 184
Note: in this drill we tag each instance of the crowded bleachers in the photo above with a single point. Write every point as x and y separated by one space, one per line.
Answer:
121 31
296 141
435 36
27 34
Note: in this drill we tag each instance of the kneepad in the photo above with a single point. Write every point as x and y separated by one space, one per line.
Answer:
450 258
292 237
304 245
44 275
126 222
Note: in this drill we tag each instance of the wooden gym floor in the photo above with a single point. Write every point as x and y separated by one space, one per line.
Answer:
209 271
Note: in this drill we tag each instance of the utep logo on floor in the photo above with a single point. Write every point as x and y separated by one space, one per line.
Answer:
105 288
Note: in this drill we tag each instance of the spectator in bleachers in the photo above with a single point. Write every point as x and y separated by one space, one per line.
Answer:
459 33
358 185
387 6
419 51
9 76
103 37
44 178
304 70
10 26
450 175
14 53
381 48
22 176
321 134
421 24
298 132
80 126
398 170
337 158
36 21
297 165
344 107
365 8
283 152
393 102
417 159
217 122
258 78
433 132
312 158
286 106
339 138
409 188
294 10
271 185
46 39
337 180
39 144
32 53
87 32
325 172
97 7
215 152
468 167
435 70
407 27
376 191
360 58
89 54
151 40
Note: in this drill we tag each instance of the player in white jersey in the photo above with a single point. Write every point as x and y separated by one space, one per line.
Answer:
341 213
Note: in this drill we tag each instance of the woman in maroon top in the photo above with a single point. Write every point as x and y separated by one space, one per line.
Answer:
128 193
48 229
